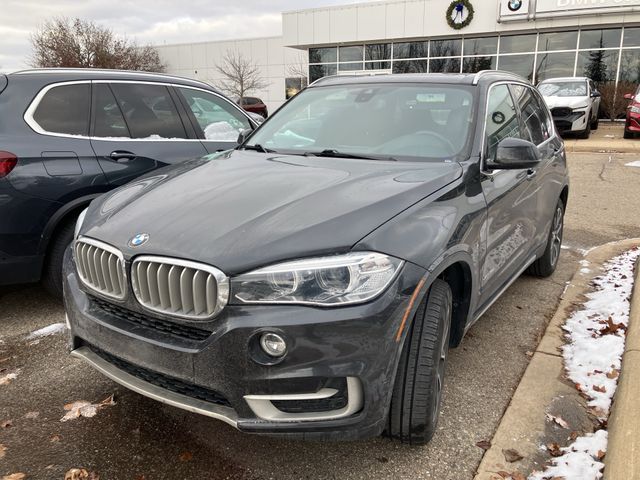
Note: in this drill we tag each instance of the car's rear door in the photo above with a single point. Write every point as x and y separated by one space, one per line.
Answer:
217 121
137 127
511 197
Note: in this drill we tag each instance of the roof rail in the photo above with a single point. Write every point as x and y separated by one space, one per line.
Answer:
482 73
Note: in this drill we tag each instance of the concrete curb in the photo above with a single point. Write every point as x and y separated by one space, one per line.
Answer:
586 146
623 450
544 389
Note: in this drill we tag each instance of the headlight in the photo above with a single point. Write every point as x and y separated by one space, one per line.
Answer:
79 223
325 281
635 109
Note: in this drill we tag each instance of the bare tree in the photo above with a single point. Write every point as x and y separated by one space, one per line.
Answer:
299 68
239 75
63 42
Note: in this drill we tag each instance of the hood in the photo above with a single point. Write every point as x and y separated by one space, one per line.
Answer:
571 102
241 210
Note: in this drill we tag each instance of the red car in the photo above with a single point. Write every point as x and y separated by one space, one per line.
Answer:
255 105
632 125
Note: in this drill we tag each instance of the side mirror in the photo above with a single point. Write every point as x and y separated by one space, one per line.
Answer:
628 96
515 154
596 94
243 135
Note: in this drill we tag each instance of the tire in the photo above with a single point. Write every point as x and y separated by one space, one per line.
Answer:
52 274
415 400
627 134
587 131
596 123
547 263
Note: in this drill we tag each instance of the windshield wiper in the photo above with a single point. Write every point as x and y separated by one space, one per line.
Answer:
331 153
258 148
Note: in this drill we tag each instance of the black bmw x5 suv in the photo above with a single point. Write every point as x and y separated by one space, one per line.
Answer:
69 135
310 282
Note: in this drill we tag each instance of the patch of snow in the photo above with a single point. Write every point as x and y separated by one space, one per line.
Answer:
581 460
46 331
593 355
582 251
585 270
6 379
585 263
633 164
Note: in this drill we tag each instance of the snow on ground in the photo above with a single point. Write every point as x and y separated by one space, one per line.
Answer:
593 359
581 460
46 331
633 164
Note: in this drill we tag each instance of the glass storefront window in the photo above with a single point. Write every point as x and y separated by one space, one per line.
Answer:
631 37
481 46
476 64
554 65
600 38
323 55
557 41
630 66
518 43
410 66
348 67
319 71
377 65
598 65
410 49
446 48
519 64
351 54
444 65
379 51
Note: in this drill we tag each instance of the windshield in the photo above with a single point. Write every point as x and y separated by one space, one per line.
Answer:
393 121
563 89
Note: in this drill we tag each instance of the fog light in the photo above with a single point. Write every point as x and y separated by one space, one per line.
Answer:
273 344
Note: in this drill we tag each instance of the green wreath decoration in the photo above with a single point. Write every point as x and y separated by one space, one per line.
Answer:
458 6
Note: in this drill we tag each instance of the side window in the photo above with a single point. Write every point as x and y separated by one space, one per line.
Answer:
149 110
218 118
107 117
502 119
65 109
533 113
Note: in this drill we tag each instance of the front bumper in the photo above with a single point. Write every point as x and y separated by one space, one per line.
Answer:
567 120
343 358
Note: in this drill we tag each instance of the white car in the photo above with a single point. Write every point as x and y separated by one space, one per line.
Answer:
574 103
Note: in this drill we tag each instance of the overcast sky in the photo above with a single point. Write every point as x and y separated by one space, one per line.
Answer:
147 21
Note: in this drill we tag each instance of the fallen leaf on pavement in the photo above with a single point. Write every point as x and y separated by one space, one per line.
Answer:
31 415
554 449
6 380
504 474
83 408
600 389
3 449
15 476
511 455
186 456
484 444
600 455
6 424
611 327
559 420
613 374
80 474
55 438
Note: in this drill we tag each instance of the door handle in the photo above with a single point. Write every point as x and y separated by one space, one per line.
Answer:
119 155
531 173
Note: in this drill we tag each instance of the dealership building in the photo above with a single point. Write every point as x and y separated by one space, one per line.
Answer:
537 39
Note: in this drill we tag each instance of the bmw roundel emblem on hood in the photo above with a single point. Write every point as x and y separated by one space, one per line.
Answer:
514 5
139 239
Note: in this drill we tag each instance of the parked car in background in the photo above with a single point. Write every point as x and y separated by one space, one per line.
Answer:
310 282
632 122
254 105
69 135
574 104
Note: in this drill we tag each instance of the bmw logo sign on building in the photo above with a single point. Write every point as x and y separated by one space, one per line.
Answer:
139 239
514 8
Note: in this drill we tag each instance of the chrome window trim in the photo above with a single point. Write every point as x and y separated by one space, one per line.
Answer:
223 286
33 106
108 248
491 173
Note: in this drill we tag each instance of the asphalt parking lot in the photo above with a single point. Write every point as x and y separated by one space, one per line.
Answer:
138 438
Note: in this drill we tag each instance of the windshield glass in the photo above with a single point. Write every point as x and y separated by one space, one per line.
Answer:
563 89
399 121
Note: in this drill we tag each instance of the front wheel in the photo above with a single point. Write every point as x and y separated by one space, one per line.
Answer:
596 123
587 130
52 274
415 401
547 263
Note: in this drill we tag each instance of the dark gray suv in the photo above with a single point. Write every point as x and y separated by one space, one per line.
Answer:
310 282
69 135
